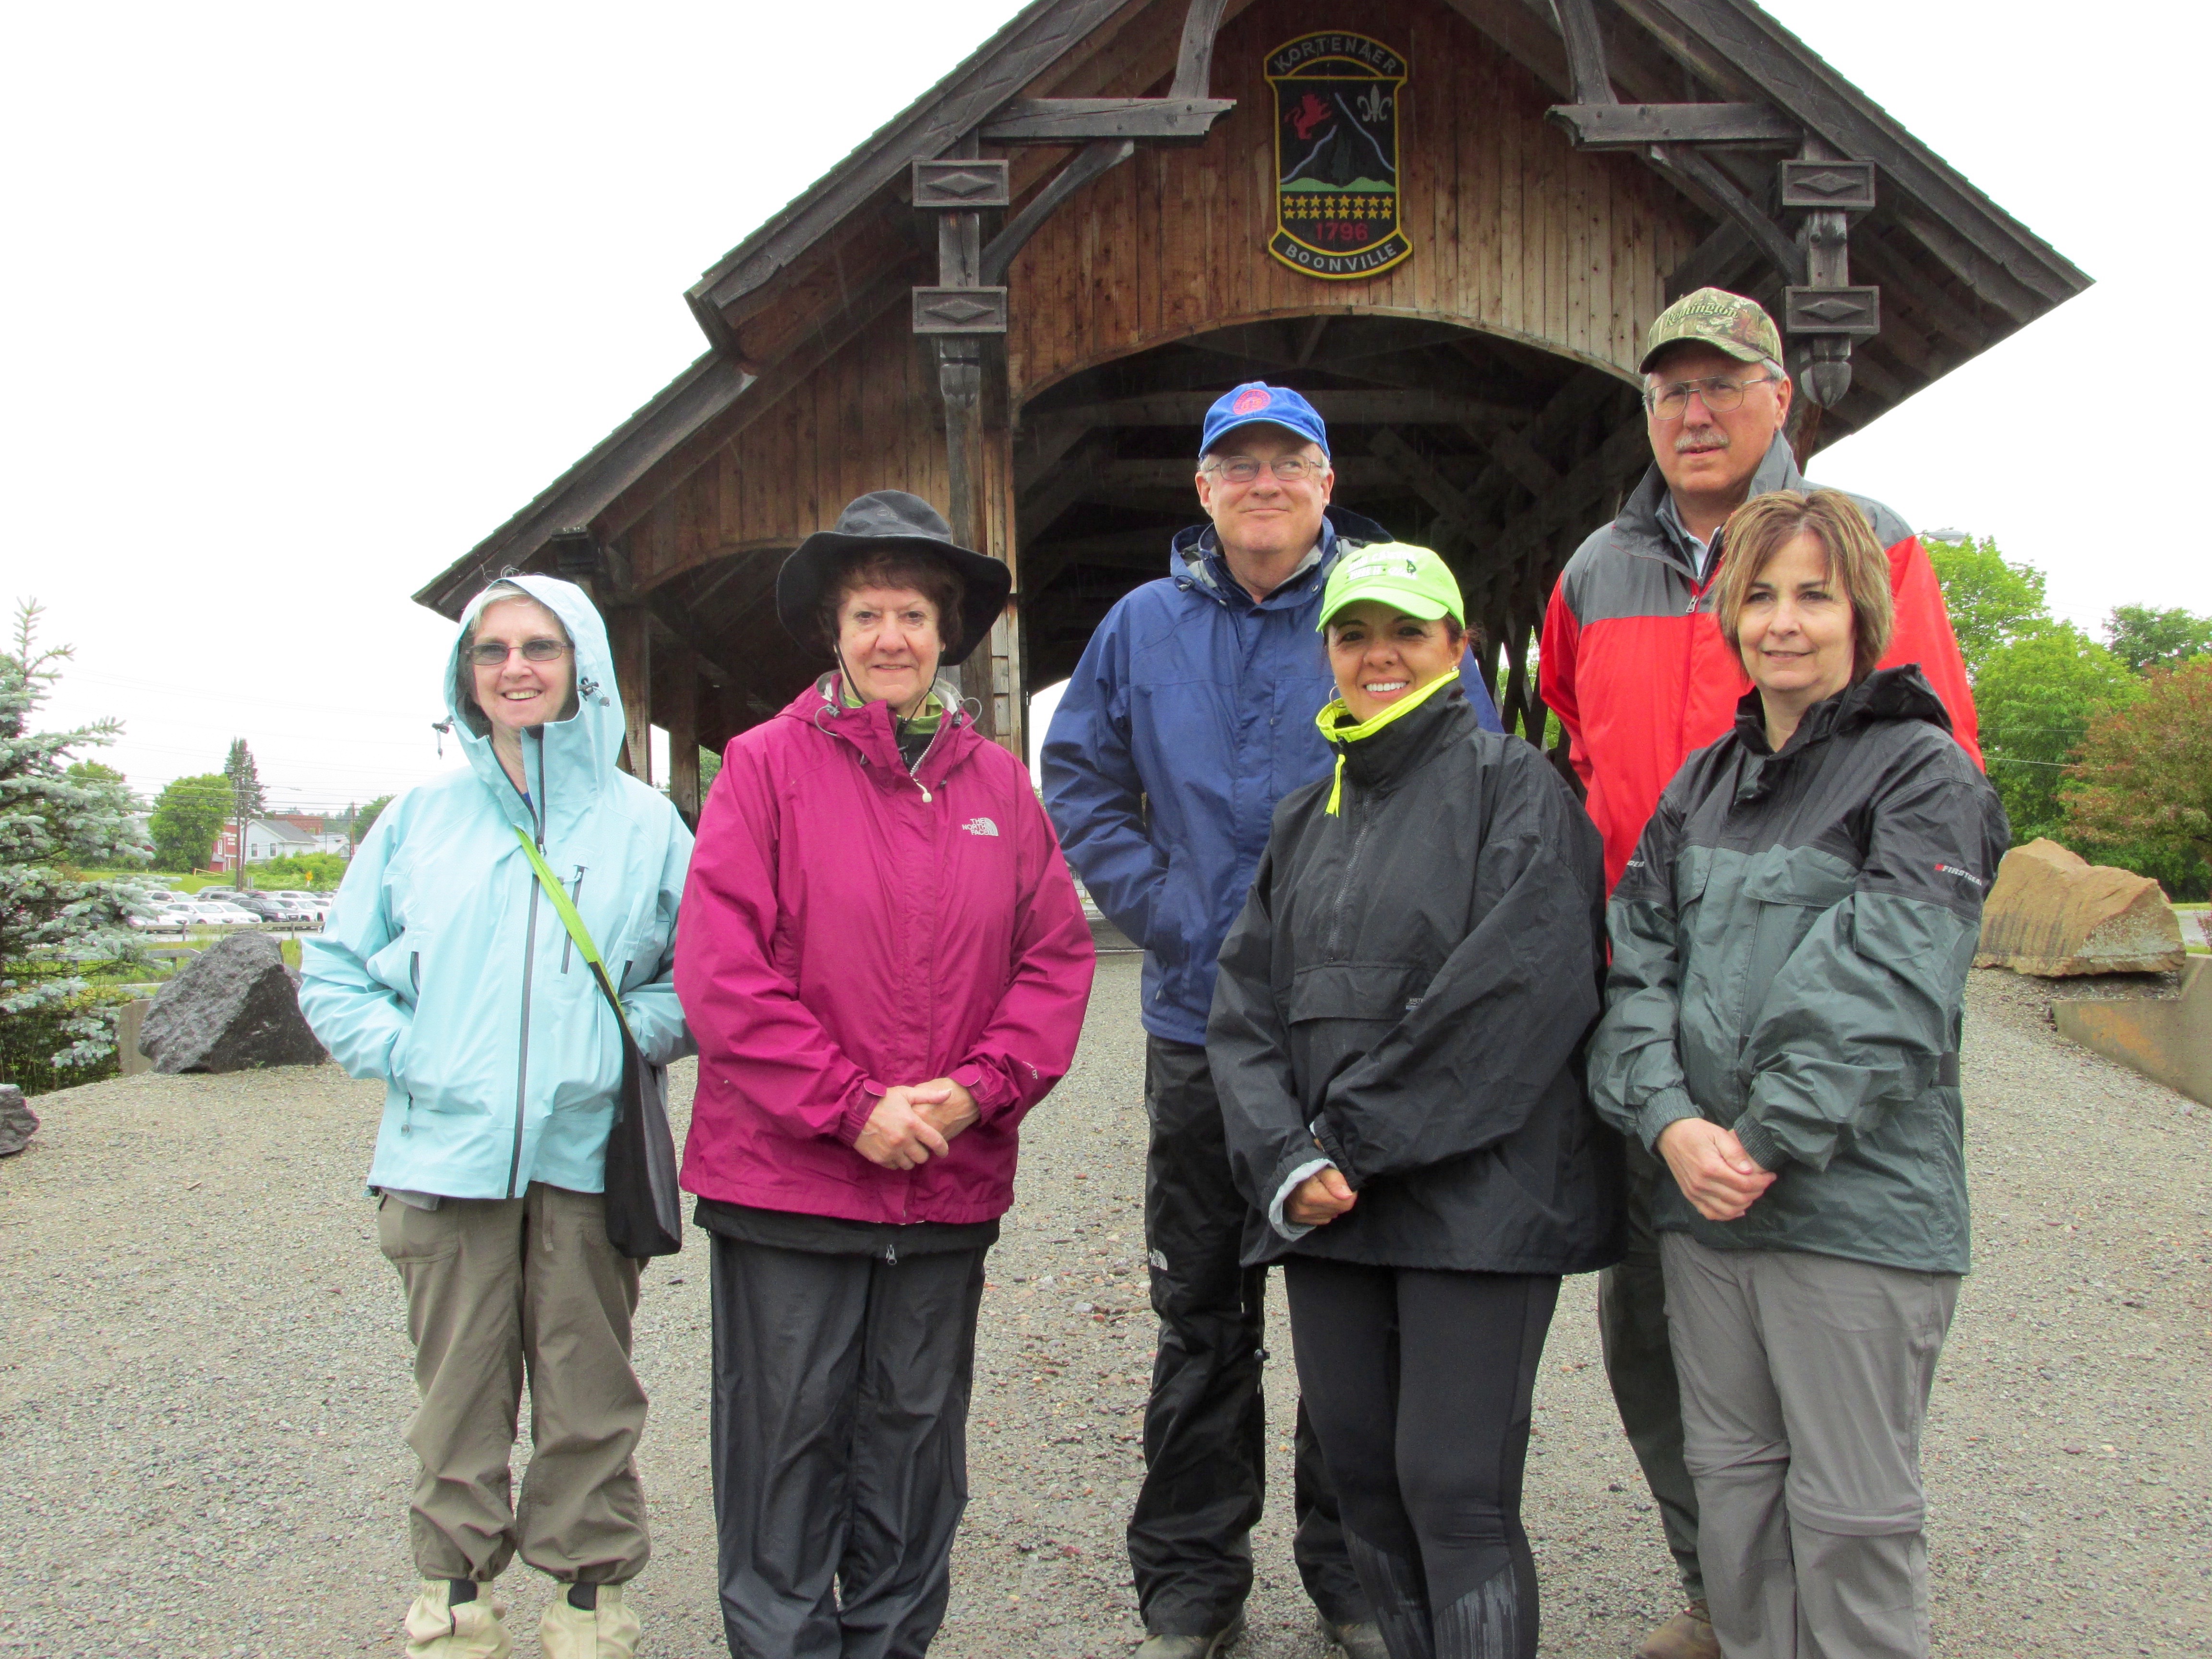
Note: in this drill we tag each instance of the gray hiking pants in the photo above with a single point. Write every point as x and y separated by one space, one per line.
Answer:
1805 1382
498 1289
1639 1367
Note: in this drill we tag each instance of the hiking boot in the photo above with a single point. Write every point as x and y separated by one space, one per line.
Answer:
439 1627
1360 1638
1193 1647
1687 1635
606 1630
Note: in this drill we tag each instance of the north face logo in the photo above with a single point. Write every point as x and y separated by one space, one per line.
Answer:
980 827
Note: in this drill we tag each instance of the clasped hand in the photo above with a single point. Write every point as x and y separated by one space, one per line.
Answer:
1712 1169
1320 1199
916 1122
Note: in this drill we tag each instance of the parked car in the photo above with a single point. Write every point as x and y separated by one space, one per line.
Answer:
159 918
261 904
209 913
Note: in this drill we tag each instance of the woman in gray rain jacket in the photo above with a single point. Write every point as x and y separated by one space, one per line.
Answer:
446 974
1790 944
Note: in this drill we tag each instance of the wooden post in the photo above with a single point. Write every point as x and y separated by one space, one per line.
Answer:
682 671
629 632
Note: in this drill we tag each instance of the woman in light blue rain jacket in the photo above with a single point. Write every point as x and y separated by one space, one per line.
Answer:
445 972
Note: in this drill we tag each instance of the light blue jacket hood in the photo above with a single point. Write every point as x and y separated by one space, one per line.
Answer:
445 971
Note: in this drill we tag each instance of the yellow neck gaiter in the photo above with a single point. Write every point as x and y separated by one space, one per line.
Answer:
1335 731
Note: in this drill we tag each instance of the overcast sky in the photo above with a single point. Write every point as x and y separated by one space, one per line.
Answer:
305 299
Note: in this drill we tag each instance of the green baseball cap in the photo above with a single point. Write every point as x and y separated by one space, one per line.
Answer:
1410 580
1714 317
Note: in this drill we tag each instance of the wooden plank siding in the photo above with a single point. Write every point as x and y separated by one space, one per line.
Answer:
1514 233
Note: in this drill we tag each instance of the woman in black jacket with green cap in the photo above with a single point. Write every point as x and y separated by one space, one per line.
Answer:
1396 1038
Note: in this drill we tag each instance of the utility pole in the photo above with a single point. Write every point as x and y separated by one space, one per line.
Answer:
238 801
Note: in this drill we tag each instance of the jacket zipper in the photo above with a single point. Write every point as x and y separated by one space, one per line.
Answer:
414 973
1364 818
576 898
529 957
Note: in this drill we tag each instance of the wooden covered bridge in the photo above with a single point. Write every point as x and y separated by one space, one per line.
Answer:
1448 221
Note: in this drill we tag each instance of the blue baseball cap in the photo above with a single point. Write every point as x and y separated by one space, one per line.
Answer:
1254 402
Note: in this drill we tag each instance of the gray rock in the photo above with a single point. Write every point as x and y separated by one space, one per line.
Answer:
232 1006
18 1122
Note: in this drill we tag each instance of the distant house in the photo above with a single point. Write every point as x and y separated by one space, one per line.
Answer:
286 835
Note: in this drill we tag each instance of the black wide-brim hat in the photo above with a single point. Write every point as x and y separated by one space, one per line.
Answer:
889 521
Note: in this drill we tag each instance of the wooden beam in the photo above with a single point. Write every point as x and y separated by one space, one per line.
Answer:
1353 473
1921 295
1044 33
629 632
1720 261
1696 176
1632 126
1201 23
1751 45
1455 512
1577 21
1346 408
1093 162
682 720
618 461
1079 120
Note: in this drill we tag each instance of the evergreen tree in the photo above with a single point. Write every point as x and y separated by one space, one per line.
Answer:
251 800
53 922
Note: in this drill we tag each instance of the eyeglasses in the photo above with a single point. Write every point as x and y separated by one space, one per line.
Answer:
490 653
1243 468
1671 403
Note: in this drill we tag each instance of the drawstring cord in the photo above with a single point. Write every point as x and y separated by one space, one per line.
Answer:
1339 737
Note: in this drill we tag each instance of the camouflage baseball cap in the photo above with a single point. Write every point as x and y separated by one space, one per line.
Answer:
1714 317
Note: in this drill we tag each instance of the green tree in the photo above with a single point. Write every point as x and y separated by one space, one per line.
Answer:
366 818
2035 697
250 797
2145 776
188 815
2145 639
1992 601
53 924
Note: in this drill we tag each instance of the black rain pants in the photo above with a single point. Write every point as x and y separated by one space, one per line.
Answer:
1205 1421
840 1446
1420 1384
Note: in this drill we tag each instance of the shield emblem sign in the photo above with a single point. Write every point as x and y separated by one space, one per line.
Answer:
1336 155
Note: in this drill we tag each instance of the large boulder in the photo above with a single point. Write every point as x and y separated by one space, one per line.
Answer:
2053 913
18 1122
232 1006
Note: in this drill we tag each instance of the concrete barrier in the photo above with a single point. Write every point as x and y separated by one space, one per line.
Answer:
130 1020
2168 1039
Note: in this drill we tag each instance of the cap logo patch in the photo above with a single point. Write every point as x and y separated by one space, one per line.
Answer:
1252 400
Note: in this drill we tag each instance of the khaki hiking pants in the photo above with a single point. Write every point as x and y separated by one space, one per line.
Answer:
1805 1382
496 1288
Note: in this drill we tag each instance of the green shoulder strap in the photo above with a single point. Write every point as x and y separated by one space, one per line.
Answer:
572 922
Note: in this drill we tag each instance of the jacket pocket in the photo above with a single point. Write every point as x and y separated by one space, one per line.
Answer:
1372 991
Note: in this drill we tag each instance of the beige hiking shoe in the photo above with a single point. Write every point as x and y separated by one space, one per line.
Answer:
609 1631
1687 1635
438 1629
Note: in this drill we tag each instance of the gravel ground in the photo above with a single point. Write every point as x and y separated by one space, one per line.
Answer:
206 1375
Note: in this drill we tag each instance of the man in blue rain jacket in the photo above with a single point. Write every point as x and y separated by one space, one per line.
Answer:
1189 716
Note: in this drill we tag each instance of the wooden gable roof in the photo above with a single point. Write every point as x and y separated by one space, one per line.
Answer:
1957 273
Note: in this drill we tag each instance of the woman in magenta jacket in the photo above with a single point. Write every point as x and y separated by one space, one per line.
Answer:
884 962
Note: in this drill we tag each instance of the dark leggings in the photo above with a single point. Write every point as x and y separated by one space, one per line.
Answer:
1418 1386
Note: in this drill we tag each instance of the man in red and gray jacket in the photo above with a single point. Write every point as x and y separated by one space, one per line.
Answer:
1634 664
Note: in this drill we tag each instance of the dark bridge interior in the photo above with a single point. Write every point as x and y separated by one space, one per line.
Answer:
1500 456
